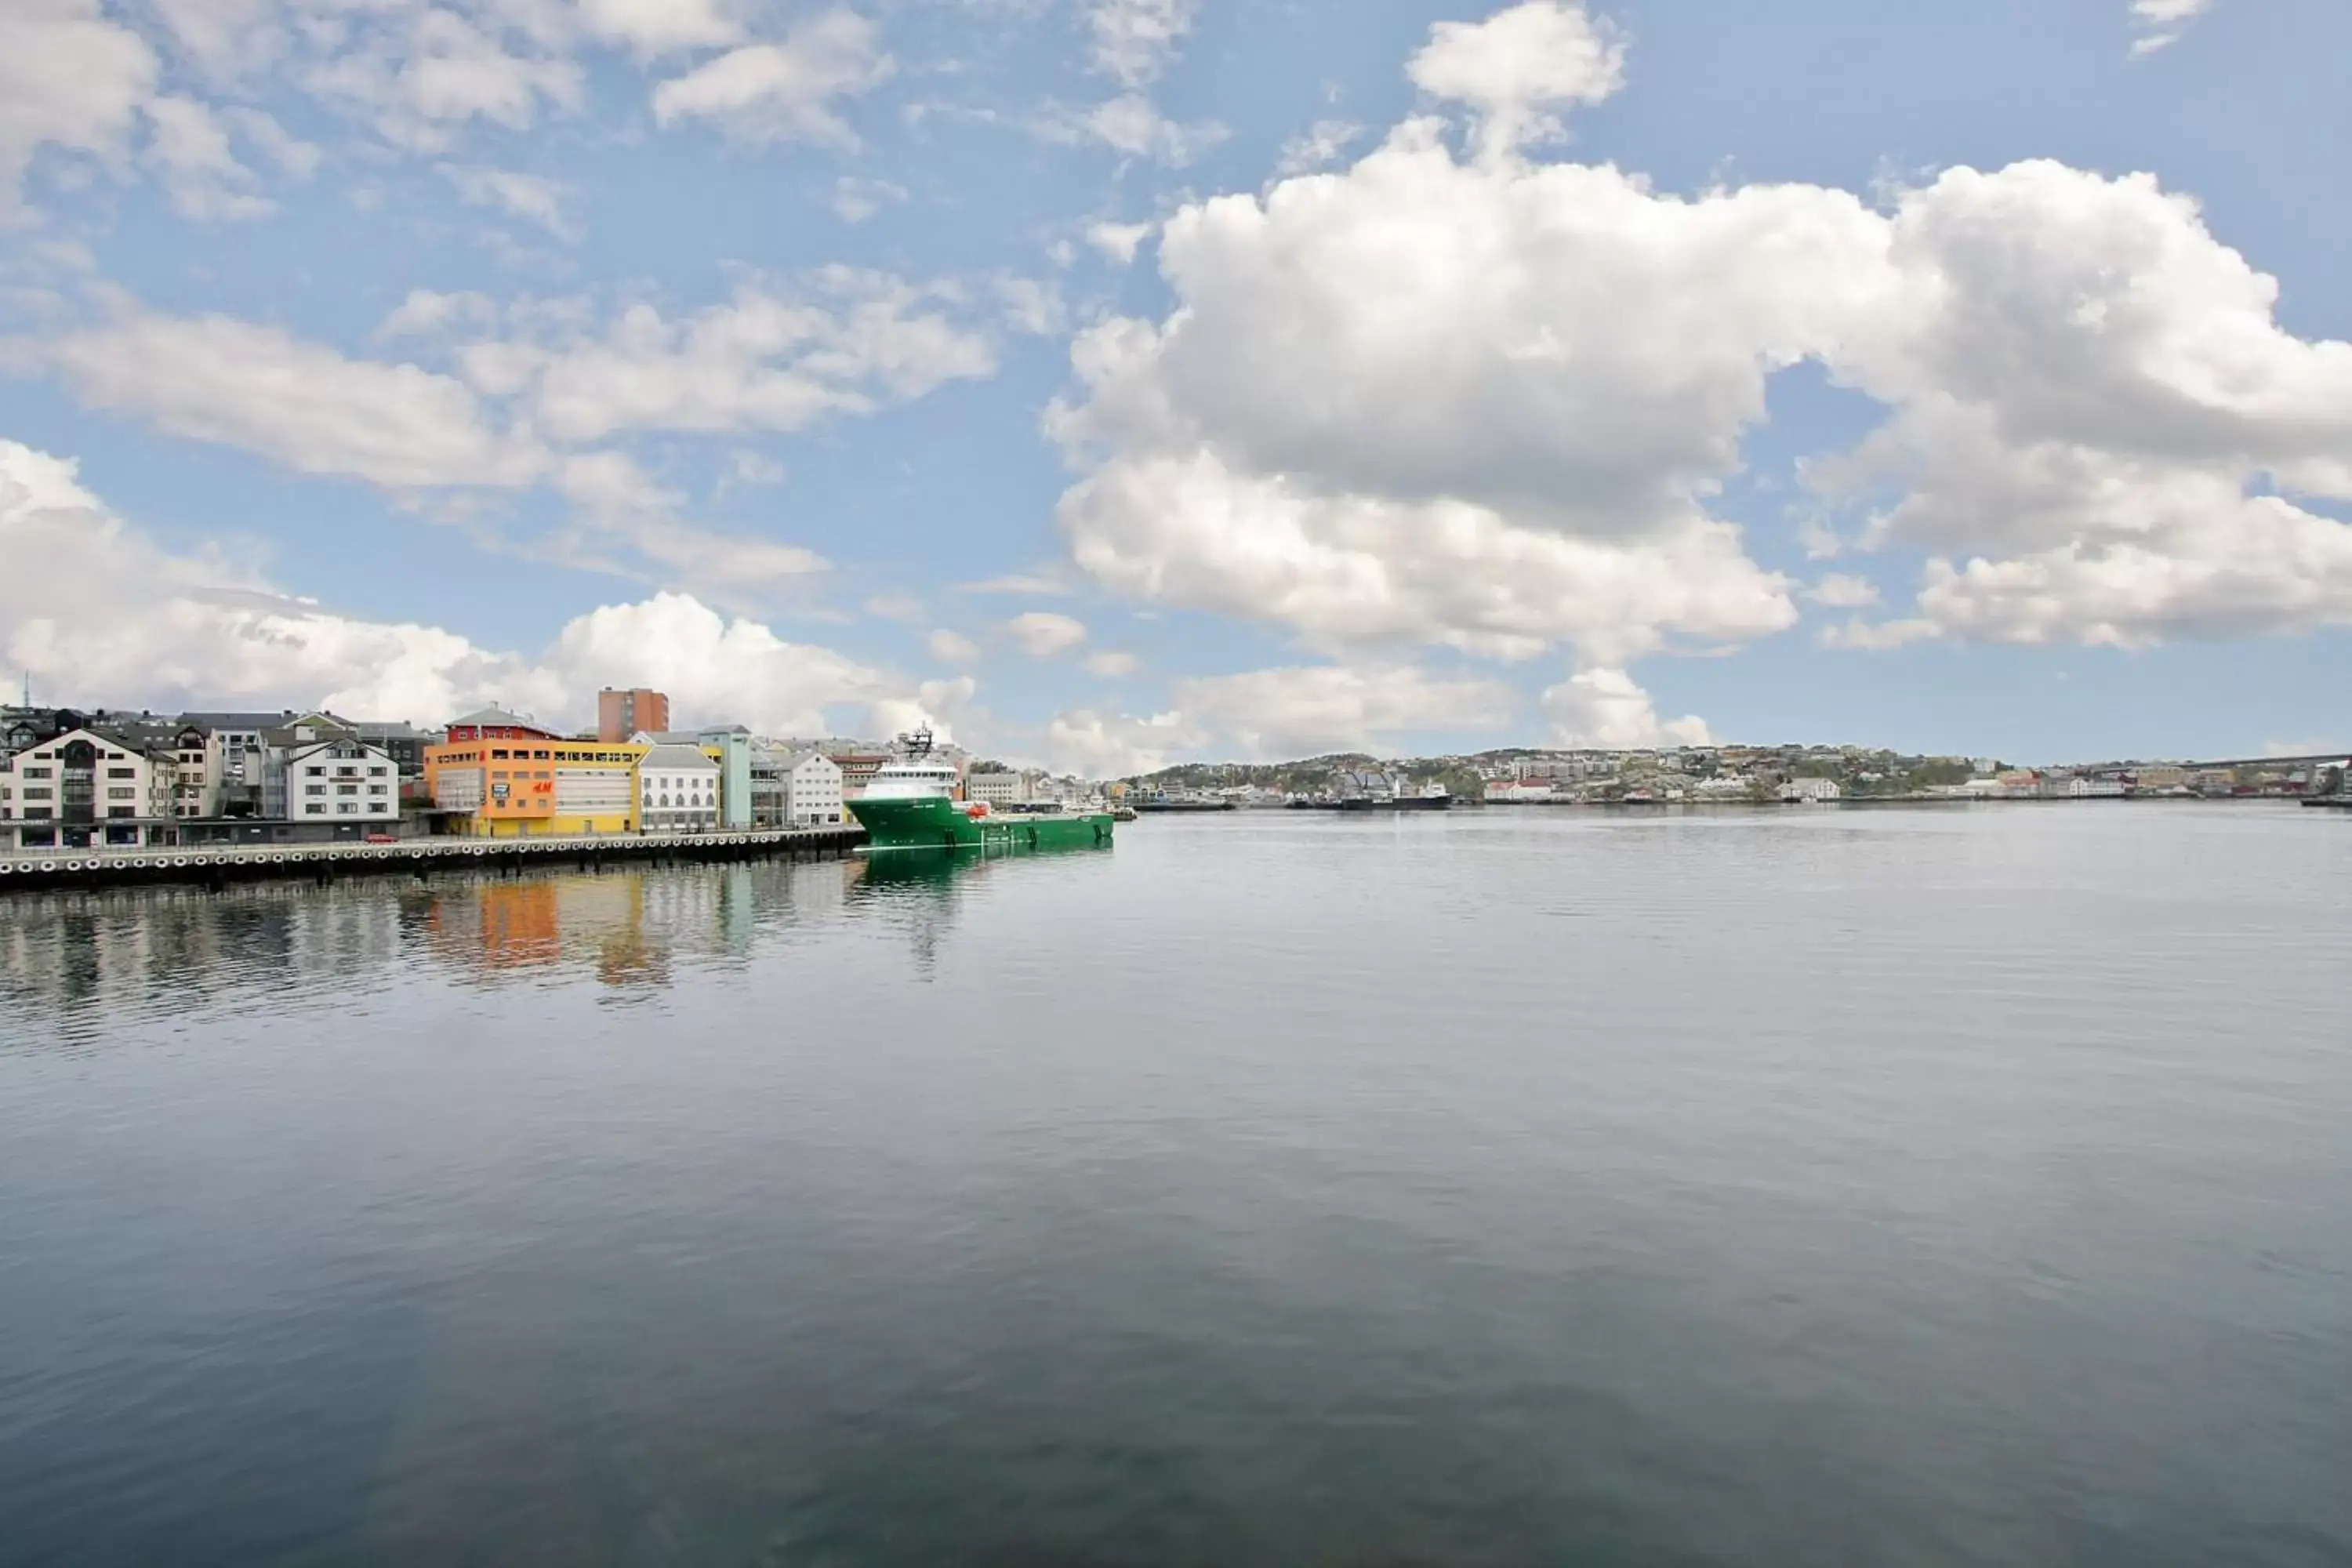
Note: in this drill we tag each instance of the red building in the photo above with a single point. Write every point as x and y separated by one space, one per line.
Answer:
621 714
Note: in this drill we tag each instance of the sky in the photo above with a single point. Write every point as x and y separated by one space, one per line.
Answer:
1111 383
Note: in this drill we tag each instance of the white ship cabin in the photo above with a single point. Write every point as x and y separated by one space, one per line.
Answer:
915 773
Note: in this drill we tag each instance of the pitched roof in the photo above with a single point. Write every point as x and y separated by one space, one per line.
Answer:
665 756
497 718
238 720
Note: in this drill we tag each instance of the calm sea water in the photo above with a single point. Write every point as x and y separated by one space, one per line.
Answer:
1933 1186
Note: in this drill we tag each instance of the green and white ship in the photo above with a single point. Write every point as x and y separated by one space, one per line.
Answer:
910 804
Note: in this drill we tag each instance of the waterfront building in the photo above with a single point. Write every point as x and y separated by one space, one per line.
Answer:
678 789
1517 792
318 773
997 788
811 793
621 714
501 775
233 764
85 788
731 748
1817 792
190 747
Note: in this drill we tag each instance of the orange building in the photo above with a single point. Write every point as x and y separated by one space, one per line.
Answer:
503 776
621 714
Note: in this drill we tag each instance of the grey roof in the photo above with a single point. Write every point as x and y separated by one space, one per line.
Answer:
499 717
675 756
673 737
239 720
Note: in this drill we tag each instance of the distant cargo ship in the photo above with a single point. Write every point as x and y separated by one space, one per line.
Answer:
1184 803
910 804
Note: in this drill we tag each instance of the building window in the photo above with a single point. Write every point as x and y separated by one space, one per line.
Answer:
379 789
122 772
38 792
122 791
121 810
347 789
316 809
314 789
540 757
37 813
38 774
316 773
346 807
375 772
500 757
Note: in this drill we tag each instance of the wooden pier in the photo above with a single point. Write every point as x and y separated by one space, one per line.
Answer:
217 866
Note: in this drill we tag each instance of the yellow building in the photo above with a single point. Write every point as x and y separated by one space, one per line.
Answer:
501 776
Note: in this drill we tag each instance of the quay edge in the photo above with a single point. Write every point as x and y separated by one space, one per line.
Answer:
419 856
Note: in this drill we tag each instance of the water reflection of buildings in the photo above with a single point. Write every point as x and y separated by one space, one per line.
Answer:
629 925
79 963
72 961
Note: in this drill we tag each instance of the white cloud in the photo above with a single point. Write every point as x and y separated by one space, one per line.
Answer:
654 27
1018 583
126 622
1032 307
188 146
293 156
1512 67
1132 124
1424 401
428 313
424 75
1320 709
534 198
1488 403
952 647
855 200
71 79
935 706
1118 241
1842 591
2161 23
1135 39
755 468
1041 633
1101 746
771 358
2092 396
1111 664
239 383
1318 146
1604 707
788 90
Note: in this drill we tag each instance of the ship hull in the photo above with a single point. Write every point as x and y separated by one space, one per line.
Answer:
935 824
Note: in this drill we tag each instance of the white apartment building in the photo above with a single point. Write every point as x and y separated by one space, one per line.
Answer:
334 780
997 789
677 790
84 790
811 789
